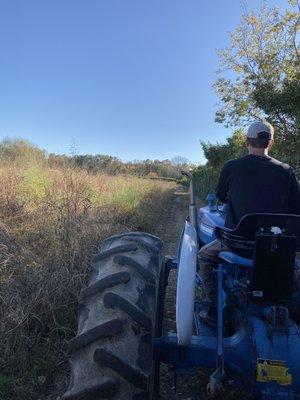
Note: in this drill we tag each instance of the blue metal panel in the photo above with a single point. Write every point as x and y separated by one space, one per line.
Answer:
271 343
203 352
232 258
240 356
207 220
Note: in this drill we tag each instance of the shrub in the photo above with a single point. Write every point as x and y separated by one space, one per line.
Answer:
206 179
152 175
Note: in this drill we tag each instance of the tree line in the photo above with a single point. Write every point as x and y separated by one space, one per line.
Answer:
21 152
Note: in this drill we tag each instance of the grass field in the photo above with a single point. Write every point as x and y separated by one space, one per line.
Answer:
52 222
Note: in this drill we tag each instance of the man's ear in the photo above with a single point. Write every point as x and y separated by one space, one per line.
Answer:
271 142
247 143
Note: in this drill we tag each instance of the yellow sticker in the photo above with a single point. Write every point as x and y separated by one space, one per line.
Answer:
273 370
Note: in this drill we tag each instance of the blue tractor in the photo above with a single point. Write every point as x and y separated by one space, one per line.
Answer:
255 347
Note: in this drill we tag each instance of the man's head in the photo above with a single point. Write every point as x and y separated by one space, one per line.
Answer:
260 136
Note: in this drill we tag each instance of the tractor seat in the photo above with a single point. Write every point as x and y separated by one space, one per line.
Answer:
272 241
232 258
241 239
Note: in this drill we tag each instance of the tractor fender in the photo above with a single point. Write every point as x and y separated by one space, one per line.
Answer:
185 296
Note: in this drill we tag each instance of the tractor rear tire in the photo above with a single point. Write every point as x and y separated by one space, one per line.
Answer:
120 314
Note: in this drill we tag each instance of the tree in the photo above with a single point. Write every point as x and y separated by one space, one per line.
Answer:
180 161
59 160
206 176
264 62
218 154
20 150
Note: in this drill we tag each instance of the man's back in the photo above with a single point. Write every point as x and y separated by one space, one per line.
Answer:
257 184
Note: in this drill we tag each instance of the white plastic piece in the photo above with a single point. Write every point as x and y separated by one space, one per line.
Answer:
276 230
185 296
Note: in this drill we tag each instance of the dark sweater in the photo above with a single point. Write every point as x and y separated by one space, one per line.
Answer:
254 184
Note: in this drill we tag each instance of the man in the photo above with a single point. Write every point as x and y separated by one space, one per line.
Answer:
256 183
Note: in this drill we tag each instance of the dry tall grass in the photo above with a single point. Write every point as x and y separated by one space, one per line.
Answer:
51 224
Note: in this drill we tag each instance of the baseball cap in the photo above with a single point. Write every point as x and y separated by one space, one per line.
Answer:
260 129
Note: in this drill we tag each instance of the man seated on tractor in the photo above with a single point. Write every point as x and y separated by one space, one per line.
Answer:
256 183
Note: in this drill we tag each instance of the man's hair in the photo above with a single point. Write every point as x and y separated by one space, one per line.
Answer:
261 142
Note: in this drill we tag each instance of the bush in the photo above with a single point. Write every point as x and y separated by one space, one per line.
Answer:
152 175
206 179
20 152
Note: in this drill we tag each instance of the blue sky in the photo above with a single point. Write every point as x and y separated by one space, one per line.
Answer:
130 78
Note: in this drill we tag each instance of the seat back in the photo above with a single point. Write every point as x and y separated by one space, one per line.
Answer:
241 240
271 240
273 268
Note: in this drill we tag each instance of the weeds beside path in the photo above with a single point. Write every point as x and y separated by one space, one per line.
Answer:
51 224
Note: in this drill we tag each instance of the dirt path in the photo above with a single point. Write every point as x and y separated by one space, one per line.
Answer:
193 387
